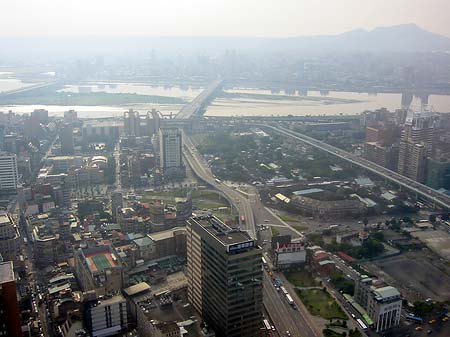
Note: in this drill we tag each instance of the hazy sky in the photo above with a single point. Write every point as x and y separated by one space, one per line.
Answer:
215 17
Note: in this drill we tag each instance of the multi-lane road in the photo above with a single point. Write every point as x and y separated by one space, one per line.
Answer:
194 108
426 192
201 169
283 315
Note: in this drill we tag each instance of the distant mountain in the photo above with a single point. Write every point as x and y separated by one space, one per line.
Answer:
401 38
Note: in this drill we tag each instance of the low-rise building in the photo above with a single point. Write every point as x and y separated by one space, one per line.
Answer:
290 255
106 316
100 269
328 209
382 302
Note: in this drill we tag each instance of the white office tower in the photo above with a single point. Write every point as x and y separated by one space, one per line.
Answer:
170 147
9 177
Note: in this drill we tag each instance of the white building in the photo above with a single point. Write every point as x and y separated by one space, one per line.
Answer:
290 254
383 303
106 317
171 158
9 176
384 307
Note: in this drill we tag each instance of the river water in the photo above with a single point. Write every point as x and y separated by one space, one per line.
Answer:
314 104
243 102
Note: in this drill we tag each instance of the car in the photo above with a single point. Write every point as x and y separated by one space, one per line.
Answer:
445 319
429 331
353 315
432 321
418 328
288 333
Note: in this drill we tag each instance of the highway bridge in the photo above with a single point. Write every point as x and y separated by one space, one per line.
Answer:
425 192
236 199
199 102
28 88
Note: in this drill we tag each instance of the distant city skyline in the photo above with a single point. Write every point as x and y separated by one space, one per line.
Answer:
264 18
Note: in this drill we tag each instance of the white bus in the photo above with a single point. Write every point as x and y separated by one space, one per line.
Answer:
266 324
283 289
289 299
361 324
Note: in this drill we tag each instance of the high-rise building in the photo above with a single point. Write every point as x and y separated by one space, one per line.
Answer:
116 202
9 176
66 139
415 145
2 137
70 116
132 123
153 122
170 147
9 307
224 277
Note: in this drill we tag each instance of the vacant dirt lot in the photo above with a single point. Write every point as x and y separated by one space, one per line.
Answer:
415 274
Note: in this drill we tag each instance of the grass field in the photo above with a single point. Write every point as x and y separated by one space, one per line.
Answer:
275 232
301 278
287 218
320 303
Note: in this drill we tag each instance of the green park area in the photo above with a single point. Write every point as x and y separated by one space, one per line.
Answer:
301 278
320 303
50 96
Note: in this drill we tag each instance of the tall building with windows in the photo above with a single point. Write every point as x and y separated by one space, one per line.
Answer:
170 147
9 306
132 123
66 139
415 145
224 277
9 175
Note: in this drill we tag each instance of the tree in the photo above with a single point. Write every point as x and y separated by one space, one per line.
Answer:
365 221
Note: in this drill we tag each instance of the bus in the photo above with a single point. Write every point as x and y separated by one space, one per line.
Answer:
289 299
264 262
361 324
413 318
217 181
283 289
266 324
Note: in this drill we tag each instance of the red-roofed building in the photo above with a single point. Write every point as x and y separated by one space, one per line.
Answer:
347 258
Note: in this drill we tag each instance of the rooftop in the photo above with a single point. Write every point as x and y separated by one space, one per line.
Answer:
136 289
6 272
308 191
226 235
4 219
386 292
100 261
163 235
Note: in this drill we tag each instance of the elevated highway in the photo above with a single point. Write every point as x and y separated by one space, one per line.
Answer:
236 199
199 102
28 88
435 197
